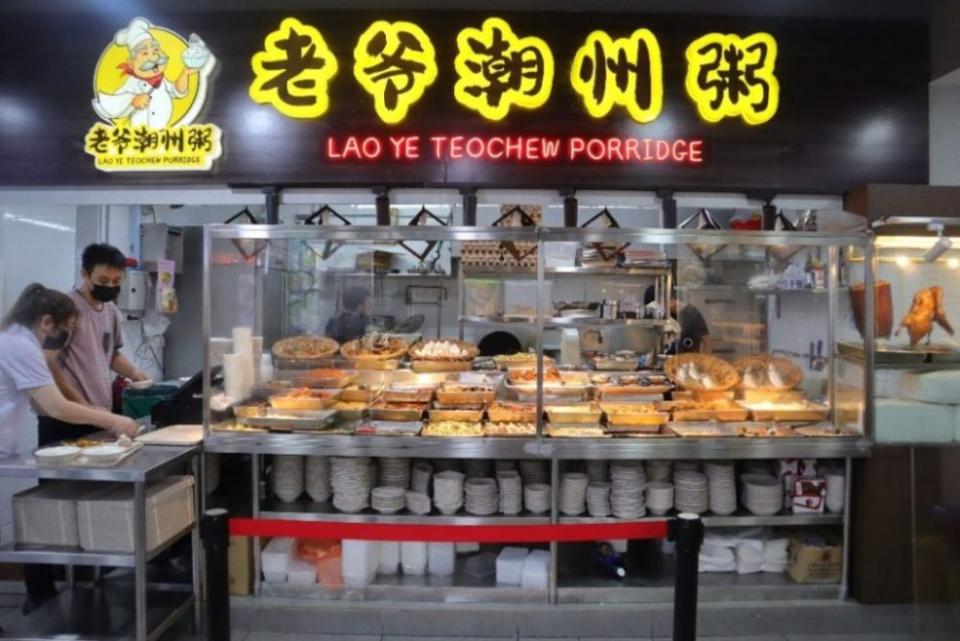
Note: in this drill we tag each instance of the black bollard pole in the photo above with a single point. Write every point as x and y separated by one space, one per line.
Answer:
686 531
214 531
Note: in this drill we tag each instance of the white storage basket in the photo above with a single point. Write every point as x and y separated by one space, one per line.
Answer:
105 520
47 514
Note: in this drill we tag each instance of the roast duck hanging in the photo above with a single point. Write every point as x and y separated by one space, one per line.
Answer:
926 308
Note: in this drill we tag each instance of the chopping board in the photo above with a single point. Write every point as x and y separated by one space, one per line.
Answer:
174 435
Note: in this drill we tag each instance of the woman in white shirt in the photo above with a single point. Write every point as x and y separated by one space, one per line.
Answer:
41 319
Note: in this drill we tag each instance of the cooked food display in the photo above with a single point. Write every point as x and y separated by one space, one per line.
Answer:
787 411
634 414
305 348
363 393
504 412
350 406
444 349
460 393
407 393
397 411
720 410
453 428
324 378
764 430
520 359
588 413
529 375
304 398
767 372
459 414
558 431
376 346
701 372
927 307
510 429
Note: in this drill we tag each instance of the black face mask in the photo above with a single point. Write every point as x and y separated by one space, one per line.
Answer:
58 342
104 294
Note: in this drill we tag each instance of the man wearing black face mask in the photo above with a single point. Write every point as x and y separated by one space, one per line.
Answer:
84 367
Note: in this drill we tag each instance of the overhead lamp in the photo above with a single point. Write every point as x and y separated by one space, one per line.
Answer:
942 245
902 261
953 263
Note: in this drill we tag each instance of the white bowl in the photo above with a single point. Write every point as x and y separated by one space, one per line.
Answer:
57 454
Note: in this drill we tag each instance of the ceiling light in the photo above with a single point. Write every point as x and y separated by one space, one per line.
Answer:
953 263
940 247
903 262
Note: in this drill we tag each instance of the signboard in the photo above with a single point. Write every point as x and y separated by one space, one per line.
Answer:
542 100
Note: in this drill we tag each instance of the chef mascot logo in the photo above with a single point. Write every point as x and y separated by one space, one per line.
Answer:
149 85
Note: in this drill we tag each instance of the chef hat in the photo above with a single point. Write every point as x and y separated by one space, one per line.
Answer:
135 33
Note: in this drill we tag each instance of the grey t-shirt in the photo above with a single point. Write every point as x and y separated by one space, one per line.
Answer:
87 358
22 368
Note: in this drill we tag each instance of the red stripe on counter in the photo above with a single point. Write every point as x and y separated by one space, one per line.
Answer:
654 529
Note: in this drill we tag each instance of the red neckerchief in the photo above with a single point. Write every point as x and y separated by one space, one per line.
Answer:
153 80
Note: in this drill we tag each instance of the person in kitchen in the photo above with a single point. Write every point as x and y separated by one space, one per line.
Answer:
147 96
83 368
41 319
352 322
694 331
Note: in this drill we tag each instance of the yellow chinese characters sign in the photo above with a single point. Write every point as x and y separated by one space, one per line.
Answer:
497 69
149 85
729 77
293 72
623 71
395 63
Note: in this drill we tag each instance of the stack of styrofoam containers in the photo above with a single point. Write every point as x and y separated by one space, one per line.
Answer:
360 561
301 572
441 558
389 558
510 565
413 558
535 570
277 558
238 367
47 514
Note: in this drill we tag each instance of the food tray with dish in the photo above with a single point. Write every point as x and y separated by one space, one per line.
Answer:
505 412
289 421
510 430
619 362
301 352
359 393
701 372
661 432
702 430
382 411
390 428
802 411
430 367
444 349
404 393
767 372
234 426
576 431
641 415
324 378
463 415
691 411
520 360
304 399
351 410
374 347
453 429
764 430
463 393
635 392
558 385
584 413
771 396
822 430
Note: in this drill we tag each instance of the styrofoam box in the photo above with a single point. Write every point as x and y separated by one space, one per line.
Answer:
277 556
441 558
535 570
47 514
510 565
359 565
389 556
105 519
302 573
413 557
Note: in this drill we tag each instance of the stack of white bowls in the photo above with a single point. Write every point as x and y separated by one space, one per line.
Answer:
395 472
573 493
659 497
420 475
352 479
762 494
317 478
448 491
628 485
722 487
511 491
388 499
483 499
598 499
836 491
690 491
417 503
536 498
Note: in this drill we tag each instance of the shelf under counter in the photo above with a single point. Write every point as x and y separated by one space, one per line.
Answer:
741 518
533 448
307 510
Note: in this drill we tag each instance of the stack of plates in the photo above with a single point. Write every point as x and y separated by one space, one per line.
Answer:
722 484
598 471
628 482
659 470
478 468
536 498
448 491
598 499
417 503
420 477
352 481
388 499
762 494
690 491
533 471
511 492
482 496
836 491
395 472
573 493
660 497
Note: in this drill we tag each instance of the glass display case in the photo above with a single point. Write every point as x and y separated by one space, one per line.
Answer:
566 349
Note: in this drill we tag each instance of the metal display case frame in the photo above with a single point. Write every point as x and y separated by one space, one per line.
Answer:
259 445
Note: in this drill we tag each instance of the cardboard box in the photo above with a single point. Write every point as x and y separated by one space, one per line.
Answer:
808 496
816 557
240 564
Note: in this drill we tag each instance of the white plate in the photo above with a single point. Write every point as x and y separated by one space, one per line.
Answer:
57 453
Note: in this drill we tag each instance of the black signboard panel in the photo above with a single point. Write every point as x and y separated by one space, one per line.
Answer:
852 106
